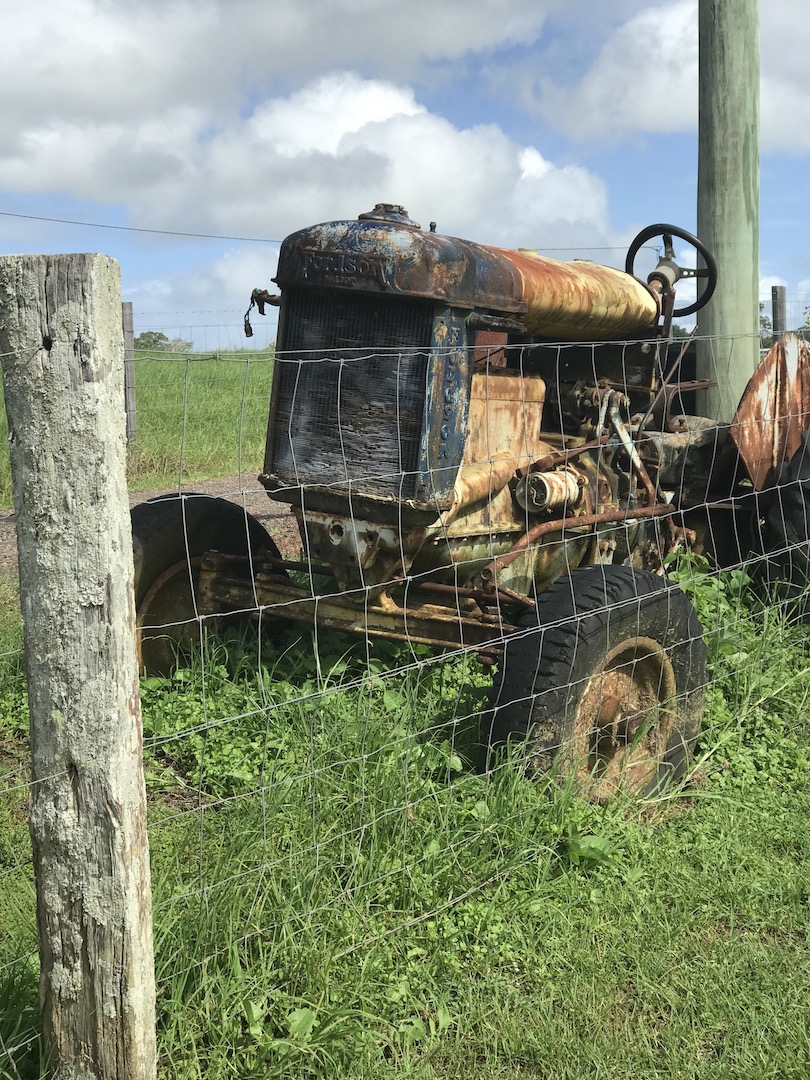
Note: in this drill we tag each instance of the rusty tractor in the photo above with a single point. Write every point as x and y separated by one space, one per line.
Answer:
490 449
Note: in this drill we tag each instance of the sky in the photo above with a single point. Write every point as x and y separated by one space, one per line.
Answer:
561 125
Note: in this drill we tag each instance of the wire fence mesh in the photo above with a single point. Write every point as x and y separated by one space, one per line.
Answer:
496 596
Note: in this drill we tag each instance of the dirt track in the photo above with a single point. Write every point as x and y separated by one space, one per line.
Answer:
243 490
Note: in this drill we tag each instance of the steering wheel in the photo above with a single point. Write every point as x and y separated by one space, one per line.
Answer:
668 272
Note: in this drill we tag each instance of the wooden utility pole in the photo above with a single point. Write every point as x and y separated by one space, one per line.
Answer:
728 197
63 372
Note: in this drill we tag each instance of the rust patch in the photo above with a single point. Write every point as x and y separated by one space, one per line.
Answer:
490 348
624 720
774 411
582 301
505 418
500 562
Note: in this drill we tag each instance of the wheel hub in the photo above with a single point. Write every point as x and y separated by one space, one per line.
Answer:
624 719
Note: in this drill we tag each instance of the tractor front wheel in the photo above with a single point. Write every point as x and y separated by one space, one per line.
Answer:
605 684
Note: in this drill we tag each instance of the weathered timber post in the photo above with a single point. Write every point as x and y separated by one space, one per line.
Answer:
127 322
778 310
60 324
728 197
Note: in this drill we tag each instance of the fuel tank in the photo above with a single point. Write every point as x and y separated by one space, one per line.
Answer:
385 252
581 300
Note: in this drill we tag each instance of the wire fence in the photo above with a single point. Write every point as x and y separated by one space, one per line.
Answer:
496 597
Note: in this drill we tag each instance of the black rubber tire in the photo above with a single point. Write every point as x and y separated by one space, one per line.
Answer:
786 532
168 532
604 626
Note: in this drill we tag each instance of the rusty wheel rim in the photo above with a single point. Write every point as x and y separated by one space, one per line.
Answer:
167 622
624 720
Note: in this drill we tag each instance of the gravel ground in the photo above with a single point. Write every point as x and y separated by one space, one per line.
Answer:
243 490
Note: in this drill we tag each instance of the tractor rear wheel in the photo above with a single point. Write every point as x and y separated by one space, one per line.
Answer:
606 684
170 535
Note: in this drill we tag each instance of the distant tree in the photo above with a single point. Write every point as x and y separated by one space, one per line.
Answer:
679 332
765 328
156 341
152 341
804 329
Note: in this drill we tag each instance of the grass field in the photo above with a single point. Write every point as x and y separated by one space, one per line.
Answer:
197 419
362 897
344 886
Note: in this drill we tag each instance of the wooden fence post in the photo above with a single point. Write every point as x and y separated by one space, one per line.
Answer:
778 310
60 324
128 324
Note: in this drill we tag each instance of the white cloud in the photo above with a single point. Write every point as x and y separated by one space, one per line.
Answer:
206 302
331 149
319 116
533 164
645 79
98 60
785 105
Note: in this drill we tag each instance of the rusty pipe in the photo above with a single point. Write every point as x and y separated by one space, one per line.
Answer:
561 457
501 593
546 527
632 450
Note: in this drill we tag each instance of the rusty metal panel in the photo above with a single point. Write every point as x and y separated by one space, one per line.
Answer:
583 301
505 418
444 426
774 411
503 435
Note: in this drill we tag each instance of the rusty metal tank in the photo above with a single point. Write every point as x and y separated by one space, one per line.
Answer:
581 300
384 252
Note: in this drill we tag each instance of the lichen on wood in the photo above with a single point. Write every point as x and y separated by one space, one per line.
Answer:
62 360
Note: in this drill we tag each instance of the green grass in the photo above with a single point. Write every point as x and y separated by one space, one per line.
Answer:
197 419
342 887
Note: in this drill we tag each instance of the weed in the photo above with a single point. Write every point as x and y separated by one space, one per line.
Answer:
758 692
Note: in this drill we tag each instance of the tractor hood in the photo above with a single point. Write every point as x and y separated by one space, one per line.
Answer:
384 252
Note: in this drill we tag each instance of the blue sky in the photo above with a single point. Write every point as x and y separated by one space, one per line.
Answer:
532 123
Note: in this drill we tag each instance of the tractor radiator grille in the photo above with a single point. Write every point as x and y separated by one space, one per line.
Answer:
350 394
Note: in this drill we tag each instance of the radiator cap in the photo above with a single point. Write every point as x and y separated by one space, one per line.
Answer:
385 211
